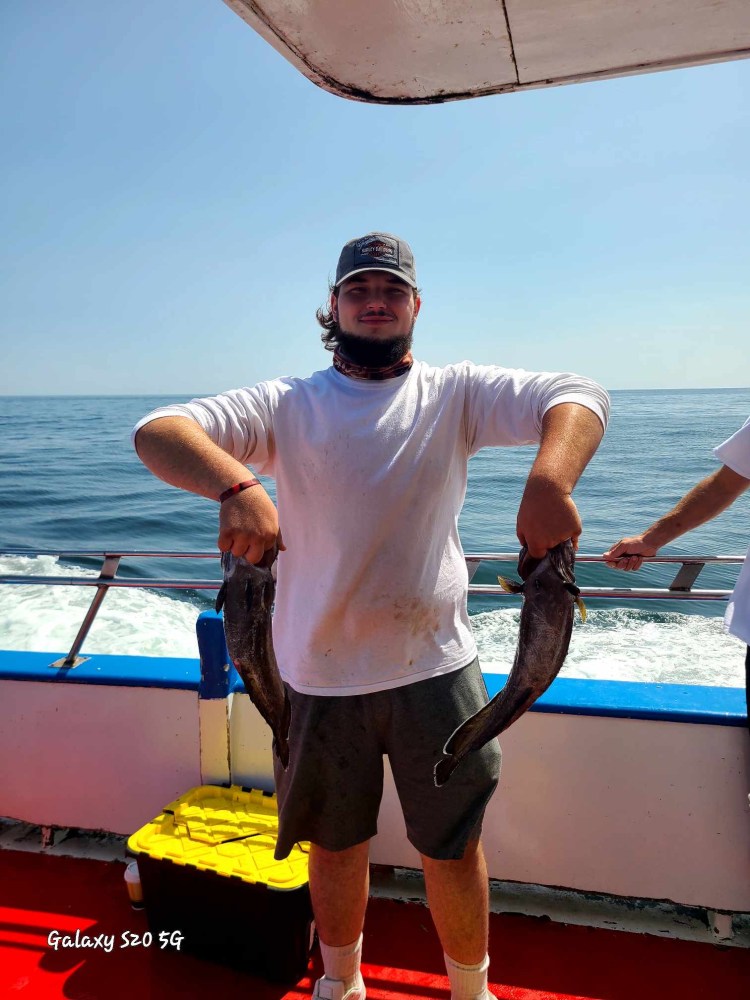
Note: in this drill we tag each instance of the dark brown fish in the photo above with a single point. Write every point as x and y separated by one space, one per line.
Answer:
550 592
246 595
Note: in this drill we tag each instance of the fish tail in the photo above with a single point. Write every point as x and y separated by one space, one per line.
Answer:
510 586
463 736
444 769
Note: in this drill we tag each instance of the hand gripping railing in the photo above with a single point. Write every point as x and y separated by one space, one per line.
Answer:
681 587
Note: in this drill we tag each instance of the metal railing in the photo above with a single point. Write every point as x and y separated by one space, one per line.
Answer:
680 589
104 582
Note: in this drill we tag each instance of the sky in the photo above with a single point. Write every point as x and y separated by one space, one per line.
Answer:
174 196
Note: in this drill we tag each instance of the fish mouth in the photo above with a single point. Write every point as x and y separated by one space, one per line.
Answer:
526 563
562 559
230 562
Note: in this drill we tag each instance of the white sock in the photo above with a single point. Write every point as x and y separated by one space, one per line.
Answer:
468 982
343 962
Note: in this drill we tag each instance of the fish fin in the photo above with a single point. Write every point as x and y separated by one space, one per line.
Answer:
581 608
286 716
281 748
249 596
510 586
443 770
221 596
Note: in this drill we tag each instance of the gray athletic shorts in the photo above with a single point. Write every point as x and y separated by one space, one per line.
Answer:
330 794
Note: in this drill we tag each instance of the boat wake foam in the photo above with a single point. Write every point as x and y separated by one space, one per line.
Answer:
129 622
627 644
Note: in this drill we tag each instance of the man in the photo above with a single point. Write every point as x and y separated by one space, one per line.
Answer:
704 501
370 627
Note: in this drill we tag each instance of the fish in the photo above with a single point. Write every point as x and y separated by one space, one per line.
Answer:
246 596
550 594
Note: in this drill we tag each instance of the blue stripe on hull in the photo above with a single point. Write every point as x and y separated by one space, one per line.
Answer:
214 677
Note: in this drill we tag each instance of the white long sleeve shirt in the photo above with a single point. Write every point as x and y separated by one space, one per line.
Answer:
371 476
735 453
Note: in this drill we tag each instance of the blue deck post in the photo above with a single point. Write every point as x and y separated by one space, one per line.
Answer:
216 667
214 708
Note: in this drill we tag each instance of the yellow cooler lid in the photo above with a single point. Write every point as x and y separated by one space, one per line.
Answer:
229 831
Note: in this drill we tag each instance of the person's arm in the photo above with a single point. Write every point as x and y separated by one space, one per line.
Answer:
705 500
547 516
177 450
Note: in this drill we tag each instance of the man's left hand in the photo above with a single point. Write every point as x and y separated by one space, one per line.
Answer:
546 517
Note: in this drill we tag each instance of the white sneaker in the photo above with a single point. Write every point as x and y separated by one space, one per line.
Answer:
482 996
335 989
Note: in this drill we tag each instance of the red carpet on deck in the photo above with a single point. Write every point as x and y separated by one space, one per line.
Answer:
531 959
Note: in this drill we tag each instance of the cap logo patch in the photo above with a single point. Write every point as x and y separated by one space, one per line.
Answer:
376 252
369 250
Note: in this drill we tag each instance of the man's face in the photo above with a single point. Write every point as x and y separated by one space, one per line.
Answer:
376 305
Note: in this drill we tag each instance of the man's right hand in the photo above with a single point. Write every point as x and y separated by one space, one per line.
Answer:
628 553
249 525
179 451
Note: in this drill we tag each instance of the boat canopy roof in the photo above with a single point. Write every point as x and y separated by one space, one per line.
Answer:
427 51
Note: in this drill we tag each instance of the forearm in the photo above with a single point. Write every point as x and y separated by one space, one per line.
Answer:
707 499
571 433
547 516
177 450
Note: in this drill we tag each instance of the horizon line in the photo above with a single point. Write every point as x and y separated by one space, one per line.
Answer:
198 395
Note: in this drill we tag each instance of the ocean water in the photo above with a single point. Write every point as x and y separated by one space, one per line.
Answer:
69 479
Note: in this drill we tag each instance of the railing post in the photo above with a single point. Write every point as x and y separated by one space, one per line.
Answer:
472 565
686 576
107 572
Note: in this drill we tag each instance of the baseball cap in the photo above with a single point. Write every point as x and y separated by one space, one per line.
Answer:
376 252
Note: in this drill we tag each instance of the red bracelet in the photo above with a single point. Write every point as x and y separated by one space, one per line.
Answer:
238 488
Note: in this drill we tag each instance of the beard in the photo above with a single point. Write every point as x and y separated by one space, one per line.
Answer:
373 352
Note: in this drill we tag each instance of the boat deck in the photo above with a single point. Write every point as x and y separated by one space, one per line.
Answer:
532 958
